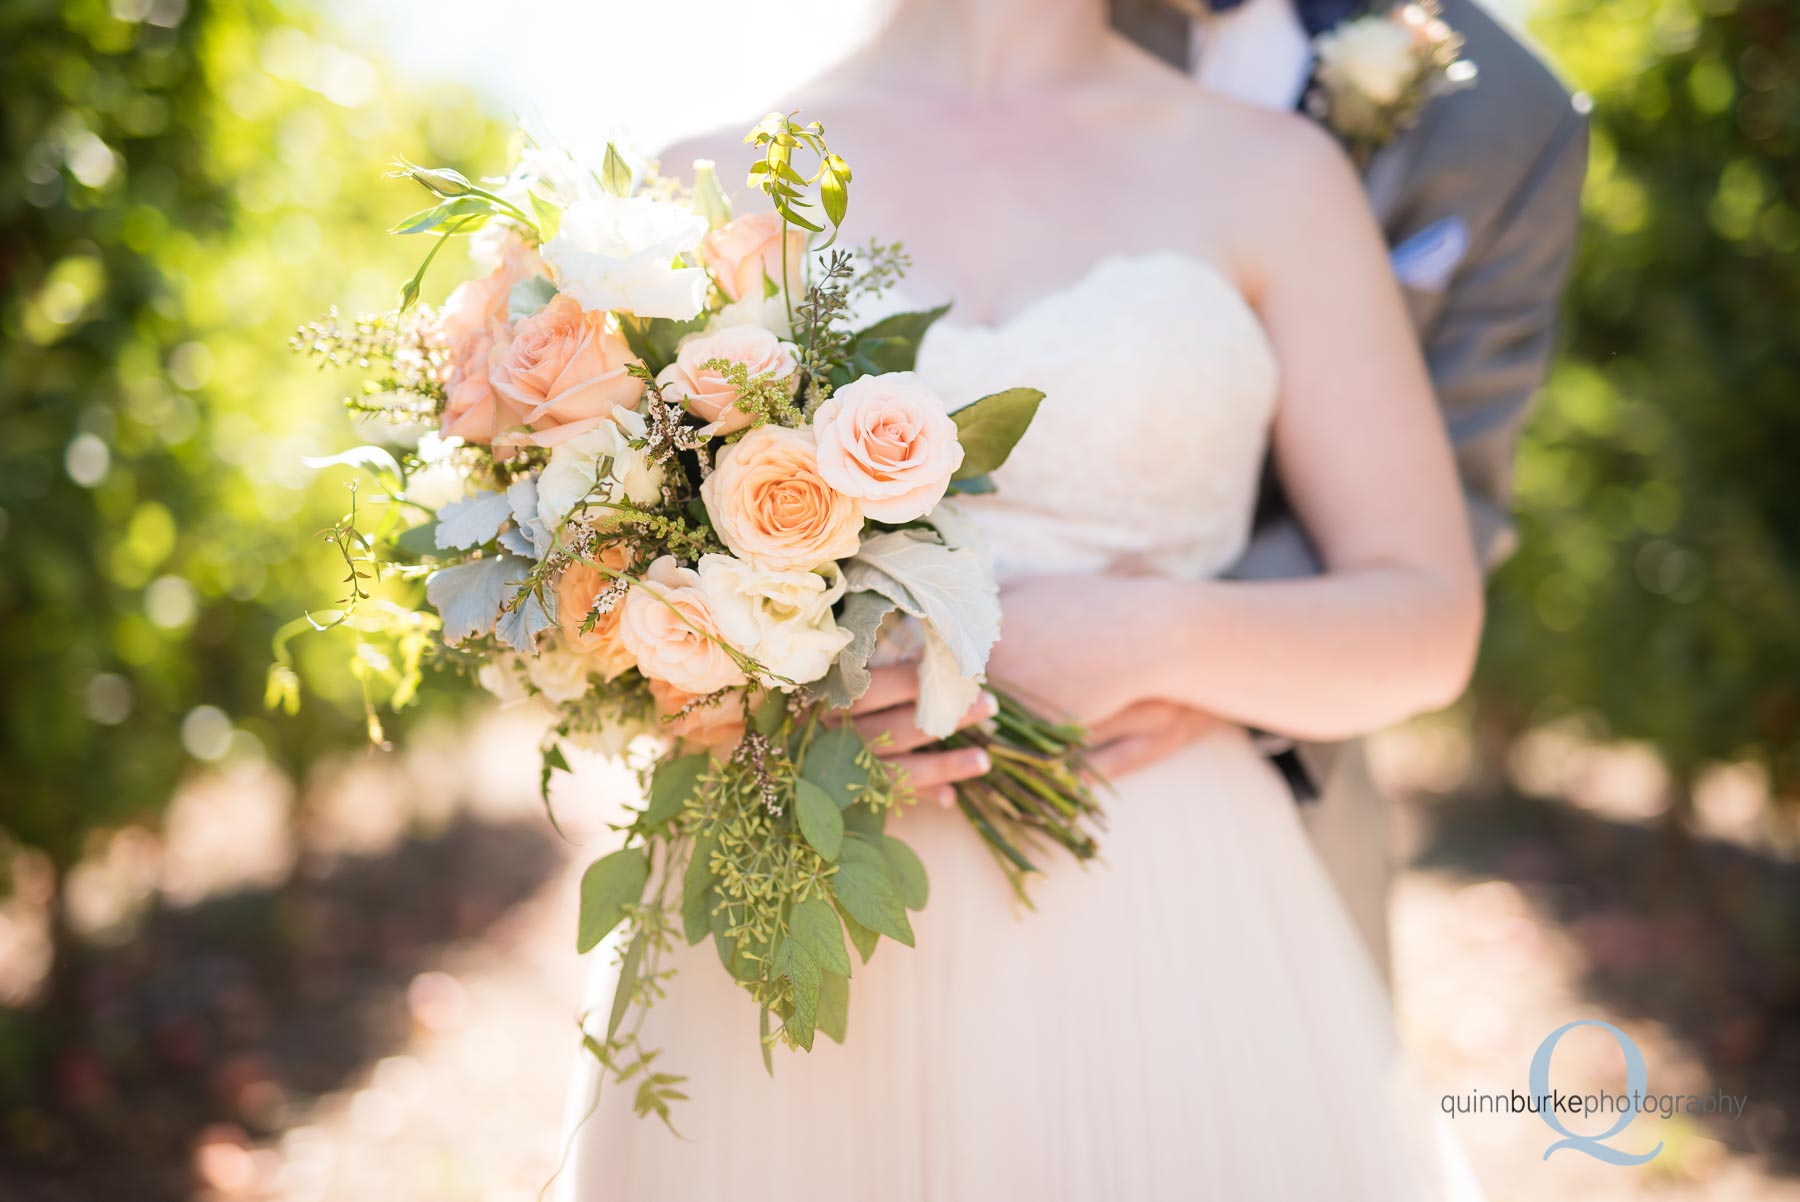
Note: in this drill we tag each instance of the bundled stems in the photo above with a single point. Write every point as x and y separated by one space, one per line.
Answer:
1037 796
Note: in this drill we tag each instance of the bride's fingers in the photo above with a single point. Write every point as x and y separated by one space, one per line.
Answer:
929 771
1124 755
903 731
893 685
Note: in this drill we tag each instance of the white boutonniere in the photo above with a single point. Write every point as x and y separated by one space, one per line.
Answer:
1376 73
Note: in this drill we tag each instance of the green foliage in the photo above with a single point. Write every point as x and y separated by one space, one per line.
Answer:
174 202
1658 584
991 427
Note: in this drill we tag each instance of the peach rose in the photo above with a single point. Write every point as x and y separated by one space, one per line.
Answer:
771 506
565 370
576 591
668 627
740 253
718 727
706 392
473 319
887 441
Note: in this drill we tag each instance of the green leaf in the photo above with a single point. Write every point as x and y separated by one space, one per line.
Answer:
892 344
834 1006
528 296
861 937
865 819
615 173
696 890
426 220
820 820
553 762
548 214
420 542
814 929
609 885
794 964
670 788
831 764
907 872
377 460
740 966
770 714
863 886
974 486
627 985
990 427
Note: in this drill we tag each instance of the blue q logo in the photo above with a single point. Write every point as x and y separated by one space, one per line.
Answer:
1636 1078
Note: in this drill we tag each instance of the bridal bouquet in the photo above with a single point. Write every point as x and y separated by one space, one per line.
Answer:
650 477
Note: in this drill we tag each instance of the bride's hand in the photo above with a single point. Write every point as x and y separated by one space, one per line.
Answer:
888 708
1144 733
1069 646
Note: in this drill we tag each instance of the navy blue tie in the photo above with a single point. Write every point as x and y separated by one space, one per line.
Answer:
1316 15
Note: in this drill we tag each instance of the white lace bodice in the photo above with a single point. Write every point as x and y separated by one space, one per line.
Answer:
1145 455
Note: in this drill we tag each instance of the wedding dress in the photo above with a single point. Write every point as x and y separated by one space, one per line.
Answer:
1191 1018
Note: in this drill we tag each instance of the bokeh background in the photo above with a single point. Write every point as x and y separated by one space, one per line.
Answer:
244 956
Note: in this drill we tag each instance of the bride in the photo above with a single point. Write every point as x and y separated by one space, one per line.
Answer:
1194 284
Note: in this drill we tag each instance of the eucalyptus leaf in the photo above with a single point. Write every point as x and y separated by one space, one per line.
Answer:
740 966
814 929
867 893
821 822
864 819
609 885
834 1006
907 872
626 985
671 786
831 764
989 428
861 937
697 890
807 977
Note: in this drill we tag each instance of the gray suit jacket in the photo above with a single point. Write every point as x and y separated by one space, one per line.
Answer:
1501 164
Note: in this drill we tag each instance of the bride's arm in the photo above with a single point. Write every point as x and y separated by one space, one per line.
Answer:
1391 626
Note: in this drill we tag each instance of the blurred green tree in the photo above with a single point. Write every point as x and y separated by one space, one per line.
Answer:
1658 584
181 184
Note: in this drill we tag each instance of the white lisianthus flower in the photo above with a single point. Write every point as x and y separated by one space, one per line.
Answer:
781 619
573 473
1375 55
615 252
559 673
501 677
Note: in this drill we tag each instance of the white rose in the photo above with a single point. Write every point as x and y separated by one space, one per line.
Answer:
559 674
615 252
1375 55
573 473
781 619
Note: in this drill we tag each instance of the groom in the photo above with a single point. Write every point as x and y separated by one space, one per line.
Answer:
1480 205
